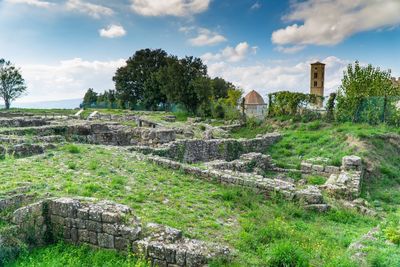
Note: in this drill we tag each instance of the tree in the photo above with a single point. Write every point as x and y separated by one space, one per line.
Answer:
12 85
220 87
180 84
90 98
130 80
359 84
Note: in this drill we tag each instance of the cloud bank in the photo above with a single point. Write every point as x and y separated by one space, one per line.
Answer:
329 22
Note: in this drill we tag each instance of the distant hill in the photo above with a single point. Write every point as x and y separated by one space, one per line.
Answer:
68 104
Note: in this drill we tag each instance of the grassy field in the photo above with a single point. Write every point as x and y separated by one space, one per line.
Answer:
262 232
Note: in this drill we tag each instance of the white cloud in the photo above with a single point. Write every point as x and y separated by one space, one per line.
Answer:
93 10
277 76
230 54
179 8
290 49
205 37
69 79
36 3
112 31
255 6
329 22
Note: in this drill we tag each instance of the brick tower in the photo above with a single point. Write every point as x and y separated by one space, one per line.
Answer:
317 80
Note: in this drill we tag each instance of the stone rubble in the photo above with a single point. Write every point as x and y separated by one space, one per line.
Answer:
108 225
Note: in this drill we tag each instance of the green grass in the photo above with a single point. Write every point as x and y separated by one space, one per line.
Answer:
257 228
64 255
263 232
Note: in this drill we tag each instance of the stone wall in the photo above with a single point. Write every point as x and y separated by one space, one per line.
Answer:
347 183
109 225
22 122
251 162
317 169
310 196
225 149
101 133
23 150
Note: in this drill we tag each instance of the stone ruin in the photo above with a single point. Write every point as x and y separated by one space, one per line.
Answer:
108 225
237 162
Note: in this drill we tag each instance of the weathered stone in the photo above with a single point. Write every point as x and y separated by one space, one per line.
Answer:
310 195
110 217
83 236
94 226
92 237
121 243
351 163
111 229
105 240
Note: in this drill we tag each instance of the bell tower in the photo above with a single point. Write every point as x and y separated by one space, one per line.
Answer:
317 80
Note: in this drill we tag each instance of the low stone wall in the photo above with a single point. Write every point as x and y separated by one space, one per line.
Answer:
22 122
347 183
251 162
310 196
317 169
109 225
23 150
101 133
226 149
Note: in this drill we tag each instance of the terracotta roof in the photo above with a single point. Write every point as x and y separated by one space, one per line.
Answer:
317 63
254 98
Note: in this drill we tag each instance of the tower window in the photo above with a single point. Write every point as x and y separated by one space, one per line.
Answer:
315 75
315 83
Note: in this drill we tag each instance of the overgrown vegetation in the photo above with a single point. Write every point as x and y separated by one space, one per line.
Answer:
259 229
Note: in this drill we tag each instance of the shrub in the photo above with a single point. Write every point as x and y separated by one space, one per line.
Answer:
287 254
71 148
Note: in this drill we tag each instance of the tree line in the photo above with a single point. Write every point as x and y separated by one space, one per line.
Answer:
154 80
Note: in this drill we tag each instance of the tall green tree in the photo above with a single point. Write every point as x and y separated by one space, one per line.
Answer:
12 85
180 84
130 80
90 98
360 83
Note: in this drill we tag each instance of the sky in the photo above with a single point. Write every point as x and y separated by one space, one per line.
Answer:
64 47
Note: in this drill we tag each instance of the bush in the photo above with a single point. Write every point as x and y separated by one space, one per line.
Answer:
71 148
287 254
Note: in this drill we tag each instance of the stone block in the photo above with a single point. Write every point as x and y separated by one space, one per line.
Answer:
110 217
74 235
95 215
105 240
131 233
156 251
83 236
94 226
83 213
121 243
92 238
111 229
318 168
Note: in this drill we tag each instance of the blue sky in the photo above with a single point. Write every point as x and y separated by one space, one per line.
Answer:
65 46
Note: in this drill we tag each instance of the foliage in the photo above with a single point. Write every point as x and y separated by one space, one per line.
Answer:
286 254
90 98
61 254
157 81
130 80
289 103
330 107
358 85
12 85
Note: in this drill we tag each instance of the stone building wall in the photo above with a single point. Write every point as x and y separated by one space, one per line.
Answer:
224 149
109 225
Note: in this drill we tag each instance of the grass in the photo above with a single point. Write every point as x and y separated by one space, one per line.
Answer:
64 255
263 232
255 227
